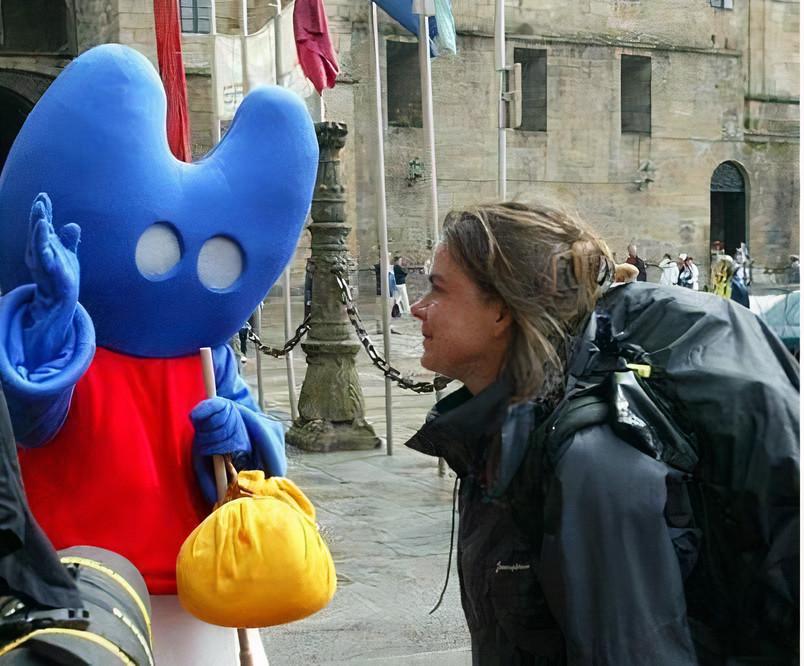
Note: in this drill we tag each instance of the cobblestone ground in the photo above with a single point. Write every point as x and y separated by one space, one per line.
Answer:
386 520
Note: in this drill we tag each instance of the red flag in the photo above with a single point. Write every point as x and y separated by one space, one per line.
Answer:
171 69
316 55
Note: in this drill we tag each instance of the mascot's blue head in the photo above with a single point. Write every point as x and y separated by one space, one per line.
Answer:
173 256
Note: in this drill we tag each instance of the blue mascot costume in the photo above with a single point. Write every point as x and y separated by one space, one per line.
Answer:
117 263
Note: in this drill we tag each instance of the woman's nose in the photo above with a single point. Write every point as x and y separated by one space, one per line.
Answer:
418 309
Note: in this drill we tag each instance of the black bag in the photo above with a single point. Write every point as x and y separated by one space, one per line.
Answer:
703 385
113 627
395 311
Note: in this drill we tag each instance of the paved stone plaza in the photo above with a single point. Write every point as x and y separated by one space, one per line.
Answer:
386 520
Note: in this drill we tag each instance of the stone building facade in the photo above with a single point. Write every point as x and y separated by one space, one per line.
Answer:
631 107
723 87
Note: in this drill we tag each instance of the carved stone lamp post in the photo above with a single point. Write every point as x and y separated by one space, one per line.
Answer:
331 407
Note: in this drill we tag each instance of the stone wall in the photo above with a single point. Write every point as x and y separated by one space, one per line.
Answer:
96 22
136 29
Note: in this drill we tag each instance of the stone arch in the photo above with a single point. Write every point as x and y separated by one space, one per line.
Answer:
19 91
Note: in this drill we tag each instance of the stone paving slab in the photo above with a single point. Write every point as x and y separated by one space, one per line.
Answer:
387 522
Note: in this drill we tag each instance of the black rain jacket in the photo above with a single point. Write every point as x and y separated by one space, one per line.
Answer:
595 579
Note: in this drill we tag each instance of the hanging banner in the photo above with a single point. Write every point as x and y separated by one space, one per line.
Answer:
261 53
228 75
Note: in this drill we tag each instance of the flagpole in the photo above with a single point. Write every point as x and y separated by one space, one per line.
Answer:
382 228
213 71
499 65
287 309
243 56
424 9
425 76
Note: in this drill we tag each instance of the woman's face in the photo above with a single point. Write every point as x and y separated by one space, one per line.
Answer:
466 333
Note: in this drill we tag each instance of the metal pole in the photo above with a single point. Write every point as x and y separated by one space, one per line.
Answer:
382 228
425 75
213 70
243 56
499 65
279 65
288 312
256 322
294 404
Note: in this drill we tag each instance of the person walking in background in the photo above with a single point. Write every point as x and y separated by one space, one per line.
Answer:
694 273
726 282
687 272
401 276
684 272
391 291
743 263
794 270
634 260
669 271
242 336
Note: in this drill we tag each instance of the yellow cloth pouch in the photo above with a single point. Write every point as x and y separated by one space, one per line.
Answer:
257 560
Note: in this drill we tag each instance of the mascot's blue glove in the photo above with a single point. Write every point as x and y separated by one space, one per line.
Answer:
53 263
219 430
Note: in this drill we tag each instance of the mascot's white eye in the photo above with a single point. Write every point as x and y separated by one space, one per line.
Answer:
158 250
220 263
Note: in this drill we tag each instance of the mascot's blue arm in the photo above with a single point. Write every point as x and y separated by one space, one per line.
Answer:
267 437
38 397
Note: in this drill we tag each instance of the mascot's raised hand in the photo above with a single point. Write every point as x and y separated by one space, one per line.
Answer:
53 263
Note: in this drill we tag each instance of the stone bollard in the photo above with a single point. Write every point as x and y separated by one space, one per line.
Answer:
331 407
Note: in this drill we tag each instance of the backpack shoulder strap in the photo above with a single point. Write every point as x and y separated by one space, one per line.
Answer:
575 412
578 410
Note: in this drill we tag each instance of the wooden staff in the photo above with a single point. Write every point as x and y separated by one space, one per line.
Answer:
221 483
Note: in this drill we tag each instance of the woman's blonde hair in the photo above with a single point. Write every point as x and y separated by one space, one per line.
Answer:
548 269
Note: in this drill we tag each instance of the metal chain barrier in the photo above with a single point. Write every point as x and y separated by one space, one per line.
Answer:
301 331
354 317
387 369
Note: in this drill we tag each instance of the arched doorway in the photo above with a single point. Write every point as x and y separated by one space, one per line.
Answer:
728 225
14 109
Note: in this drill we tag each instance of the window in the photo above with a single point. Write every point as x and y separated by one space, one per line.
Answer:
722 4
635 94
534 88
196 16
36 26
404 96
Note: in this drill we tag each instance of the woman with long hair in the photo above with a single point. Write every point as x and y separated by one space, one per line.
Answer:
567 565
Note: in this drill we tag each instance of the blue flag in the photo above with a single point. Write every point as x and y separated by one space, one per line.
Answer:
442 25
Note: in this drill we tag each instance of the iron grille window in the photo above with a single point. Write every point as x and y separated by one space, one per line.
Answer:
196 16
635 94
722 4
534 88
404 93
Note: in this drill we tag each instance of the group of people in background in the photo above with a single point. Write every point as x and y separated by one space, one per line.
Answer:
729 275
729 278
682 272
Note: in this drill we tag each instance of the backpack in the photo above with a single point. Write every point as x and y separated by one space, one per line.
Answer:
701 384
